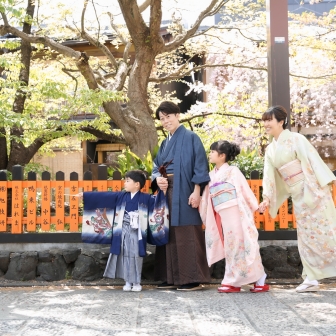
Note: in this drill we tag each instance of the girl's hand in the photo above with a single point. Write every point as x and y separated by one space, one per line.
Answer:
264 205
194 200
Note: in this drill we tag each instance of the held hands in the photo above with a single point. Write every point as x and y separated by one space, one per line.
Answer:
195 197
264 205
194 200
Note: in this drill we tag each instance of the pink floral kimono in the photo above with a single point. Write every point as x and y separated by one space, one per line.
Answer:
227 211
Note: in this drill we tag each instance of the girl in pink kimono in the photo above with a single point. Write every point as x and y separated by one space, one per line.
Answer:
227 212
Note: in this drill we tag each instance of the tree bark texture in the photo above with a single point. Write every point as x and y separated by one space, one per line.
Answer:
19 154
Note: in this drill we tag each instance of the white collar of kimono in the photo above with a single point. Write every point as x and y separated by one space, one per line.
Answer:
222 167
133 194
282 136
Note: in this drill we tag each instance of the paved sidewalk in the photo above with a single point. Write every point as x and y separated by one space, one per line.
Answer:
107 310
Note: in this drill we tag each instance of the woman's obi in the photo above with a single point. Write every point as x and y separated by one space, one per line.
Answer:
292 172
222 192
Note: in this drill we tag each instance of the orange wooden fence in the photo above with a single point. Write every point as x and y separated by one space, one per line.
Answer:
31 203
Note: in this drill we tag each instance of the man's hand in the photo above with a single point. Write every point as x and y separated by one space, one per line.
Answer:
162 183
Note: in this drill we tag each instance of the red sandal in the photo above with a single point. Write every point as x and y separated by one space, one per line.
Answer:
228 289
259 289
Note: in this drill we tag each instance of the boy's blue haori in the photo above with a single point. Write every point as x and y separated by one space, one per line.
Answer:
98 217
158 224
103 217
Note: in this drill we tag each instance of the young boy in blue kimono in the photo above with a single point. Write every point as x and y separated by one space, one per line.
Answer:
132 213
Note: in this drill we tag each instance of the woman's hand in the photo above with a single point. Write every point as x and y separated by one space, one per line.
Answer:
162 183
264 205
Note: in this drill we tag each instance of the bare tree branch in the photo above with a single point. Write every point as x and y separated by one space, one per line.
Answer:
67 72
240 32
134 21
126 51
116 29
205 114
212 9
309 77
4 18
144 5
155 17
177 75
4 29
96 42
104 136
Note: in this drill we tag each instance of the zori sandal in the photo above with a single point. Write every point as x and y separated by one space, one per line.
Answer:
259 289
228 289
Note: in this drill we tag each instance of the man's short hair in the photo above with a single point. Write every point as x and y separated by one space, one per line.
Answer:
167 107
137 176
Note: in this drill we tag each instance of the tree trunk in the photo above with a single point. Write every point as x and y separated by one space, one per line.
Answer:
3 149
19 154
135 120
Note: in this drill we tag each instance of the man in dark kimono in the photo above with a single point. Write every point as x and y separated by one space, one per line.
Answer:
182 165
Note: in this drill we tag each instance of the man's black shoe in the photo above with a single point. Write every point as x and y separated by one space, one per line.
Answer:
190 287
165 285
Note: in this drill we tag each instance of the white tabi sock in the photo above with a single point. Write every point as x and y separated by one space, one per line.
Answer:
310 282
261 281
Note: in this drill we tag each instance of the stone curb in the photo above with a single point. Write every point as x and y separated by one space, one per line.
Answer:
70 283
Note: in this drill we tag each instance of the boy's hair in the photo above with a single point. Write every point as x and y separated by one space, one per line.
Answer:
137 176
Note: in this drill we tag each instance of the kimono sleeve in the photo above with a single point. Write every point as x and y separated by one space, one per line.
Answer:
273 186
245 190
98 216
201 166
158 220
204 204
155 170
310 158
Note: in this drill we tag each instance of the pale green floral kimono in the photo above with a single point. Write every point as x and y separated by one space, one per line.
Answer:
313 205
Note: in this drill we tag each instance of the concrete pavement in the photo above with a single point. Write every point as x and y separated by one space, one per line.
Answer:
107 310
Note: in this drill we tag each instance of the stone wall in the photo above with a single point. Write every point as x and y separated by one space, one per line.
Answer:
89 264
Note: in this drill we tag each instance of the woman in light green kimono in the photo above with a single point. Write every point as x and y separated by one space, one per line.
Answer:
294 168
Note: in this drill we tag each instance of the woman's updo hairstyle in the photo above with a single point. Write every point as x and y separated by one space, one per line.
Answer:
230 149
279 113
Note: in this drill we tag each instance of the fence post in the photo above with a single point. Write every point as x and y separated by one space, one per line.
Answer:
31 202
3 200
102 178
87 181
73 202
59 200
17 199
116 184
45 201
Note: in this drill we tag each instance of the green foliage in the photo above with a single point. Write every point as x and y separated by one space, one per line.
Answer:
36 168
31 167
249 160
127 161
